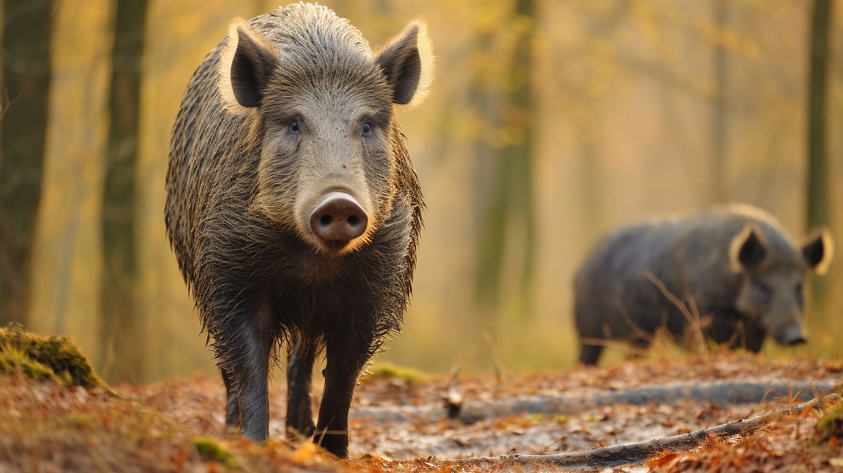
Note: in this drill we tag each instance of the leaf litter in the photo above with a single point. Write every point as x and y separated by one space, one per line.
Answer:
178 425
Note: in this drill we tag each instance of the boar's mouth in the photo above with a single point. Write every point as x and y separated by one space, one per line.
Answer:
337 220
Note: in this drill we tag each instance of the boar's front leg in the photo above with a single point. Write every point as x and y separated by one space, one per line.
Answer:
244 354
347 353
589 354
299 374
754 336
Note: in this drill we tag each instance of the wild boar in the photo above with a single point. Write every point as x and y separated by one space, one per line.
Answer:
293 208
736 266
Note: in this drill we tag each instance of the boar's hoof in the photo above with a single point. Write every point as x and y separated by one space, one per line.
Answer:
792 337
338 218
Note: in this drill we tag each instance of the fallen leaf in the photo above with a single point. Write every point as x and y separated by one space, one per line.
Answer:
305 453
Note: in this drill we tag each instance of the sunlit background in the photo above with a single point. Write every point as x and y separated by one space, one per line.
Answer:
550 122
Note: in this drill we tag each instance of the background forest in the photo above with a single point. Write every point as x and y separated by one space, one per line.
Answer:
550 122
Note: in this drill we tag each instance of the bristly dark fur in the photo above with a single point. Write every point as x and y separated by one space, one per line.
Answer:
229 214
736 265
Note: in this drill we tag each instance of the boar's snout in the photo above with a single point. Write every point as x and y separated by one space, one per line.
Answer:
338 218
792 337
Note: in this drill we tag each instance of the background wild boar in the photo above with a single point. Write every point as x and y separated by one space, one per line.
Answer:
293 207
737 265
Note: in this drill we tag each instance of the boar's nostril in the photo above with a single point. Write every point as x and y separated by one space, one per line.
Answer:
338 218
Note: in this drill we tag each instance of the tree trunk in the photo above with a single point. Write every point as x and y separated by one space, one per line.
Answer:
718 125
511 202
817 168
26 84
817 171
489 217
120 329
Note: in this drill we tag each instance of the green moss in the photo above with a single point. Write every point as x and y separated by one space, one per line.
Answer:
82 421
831 423
14 360
46 358
209 449
533 418
388 370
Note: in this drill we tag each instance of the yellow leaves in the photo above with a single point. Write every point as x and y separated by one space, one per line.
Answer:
641 11
601 48
523 24
487 21
672 50
731 40
306 453
726 37
505 136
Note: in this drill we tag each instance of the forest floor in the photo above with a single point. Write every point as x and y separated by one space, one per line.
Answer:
399 422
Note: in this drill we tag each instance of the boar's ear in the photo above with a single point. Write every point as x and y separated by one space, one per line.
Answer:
818 251
407 61
246 65
747 249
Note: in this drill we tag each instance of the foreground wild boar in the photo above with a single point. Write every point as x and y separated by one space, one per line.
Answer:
293 207
736 265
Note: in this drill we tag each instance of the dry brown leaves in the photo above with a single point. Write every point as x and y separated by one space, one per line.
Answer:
46 427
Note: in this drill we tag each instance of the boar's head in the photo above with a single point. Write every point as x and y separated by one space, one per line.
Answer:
323 108
774 272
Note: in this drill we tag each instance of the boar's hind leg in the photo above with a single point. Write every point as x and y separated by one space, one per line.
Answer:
232 408
347 353
299 373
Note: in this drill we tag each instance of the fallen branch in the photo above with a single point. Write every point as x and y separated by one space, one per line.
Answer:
723 393
637 452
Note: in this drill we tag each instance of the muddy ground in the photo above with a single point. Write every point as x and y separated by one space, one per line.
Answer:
400 422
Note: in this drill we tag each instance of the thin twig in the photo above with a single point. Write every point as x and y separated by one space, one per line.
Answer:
496 360
694 322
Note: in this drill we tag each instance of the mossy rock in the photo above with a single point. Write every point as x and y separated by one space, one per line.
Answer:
41 358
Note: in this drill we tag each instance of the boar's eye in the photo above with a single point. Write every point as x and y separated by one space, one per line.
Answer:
367 128
763 293
294 127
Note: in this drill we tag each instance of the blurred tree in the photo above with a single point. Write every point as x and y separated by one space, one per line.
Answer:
817 167
120 329
718 125
65 259
483 99
510 205
26 85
